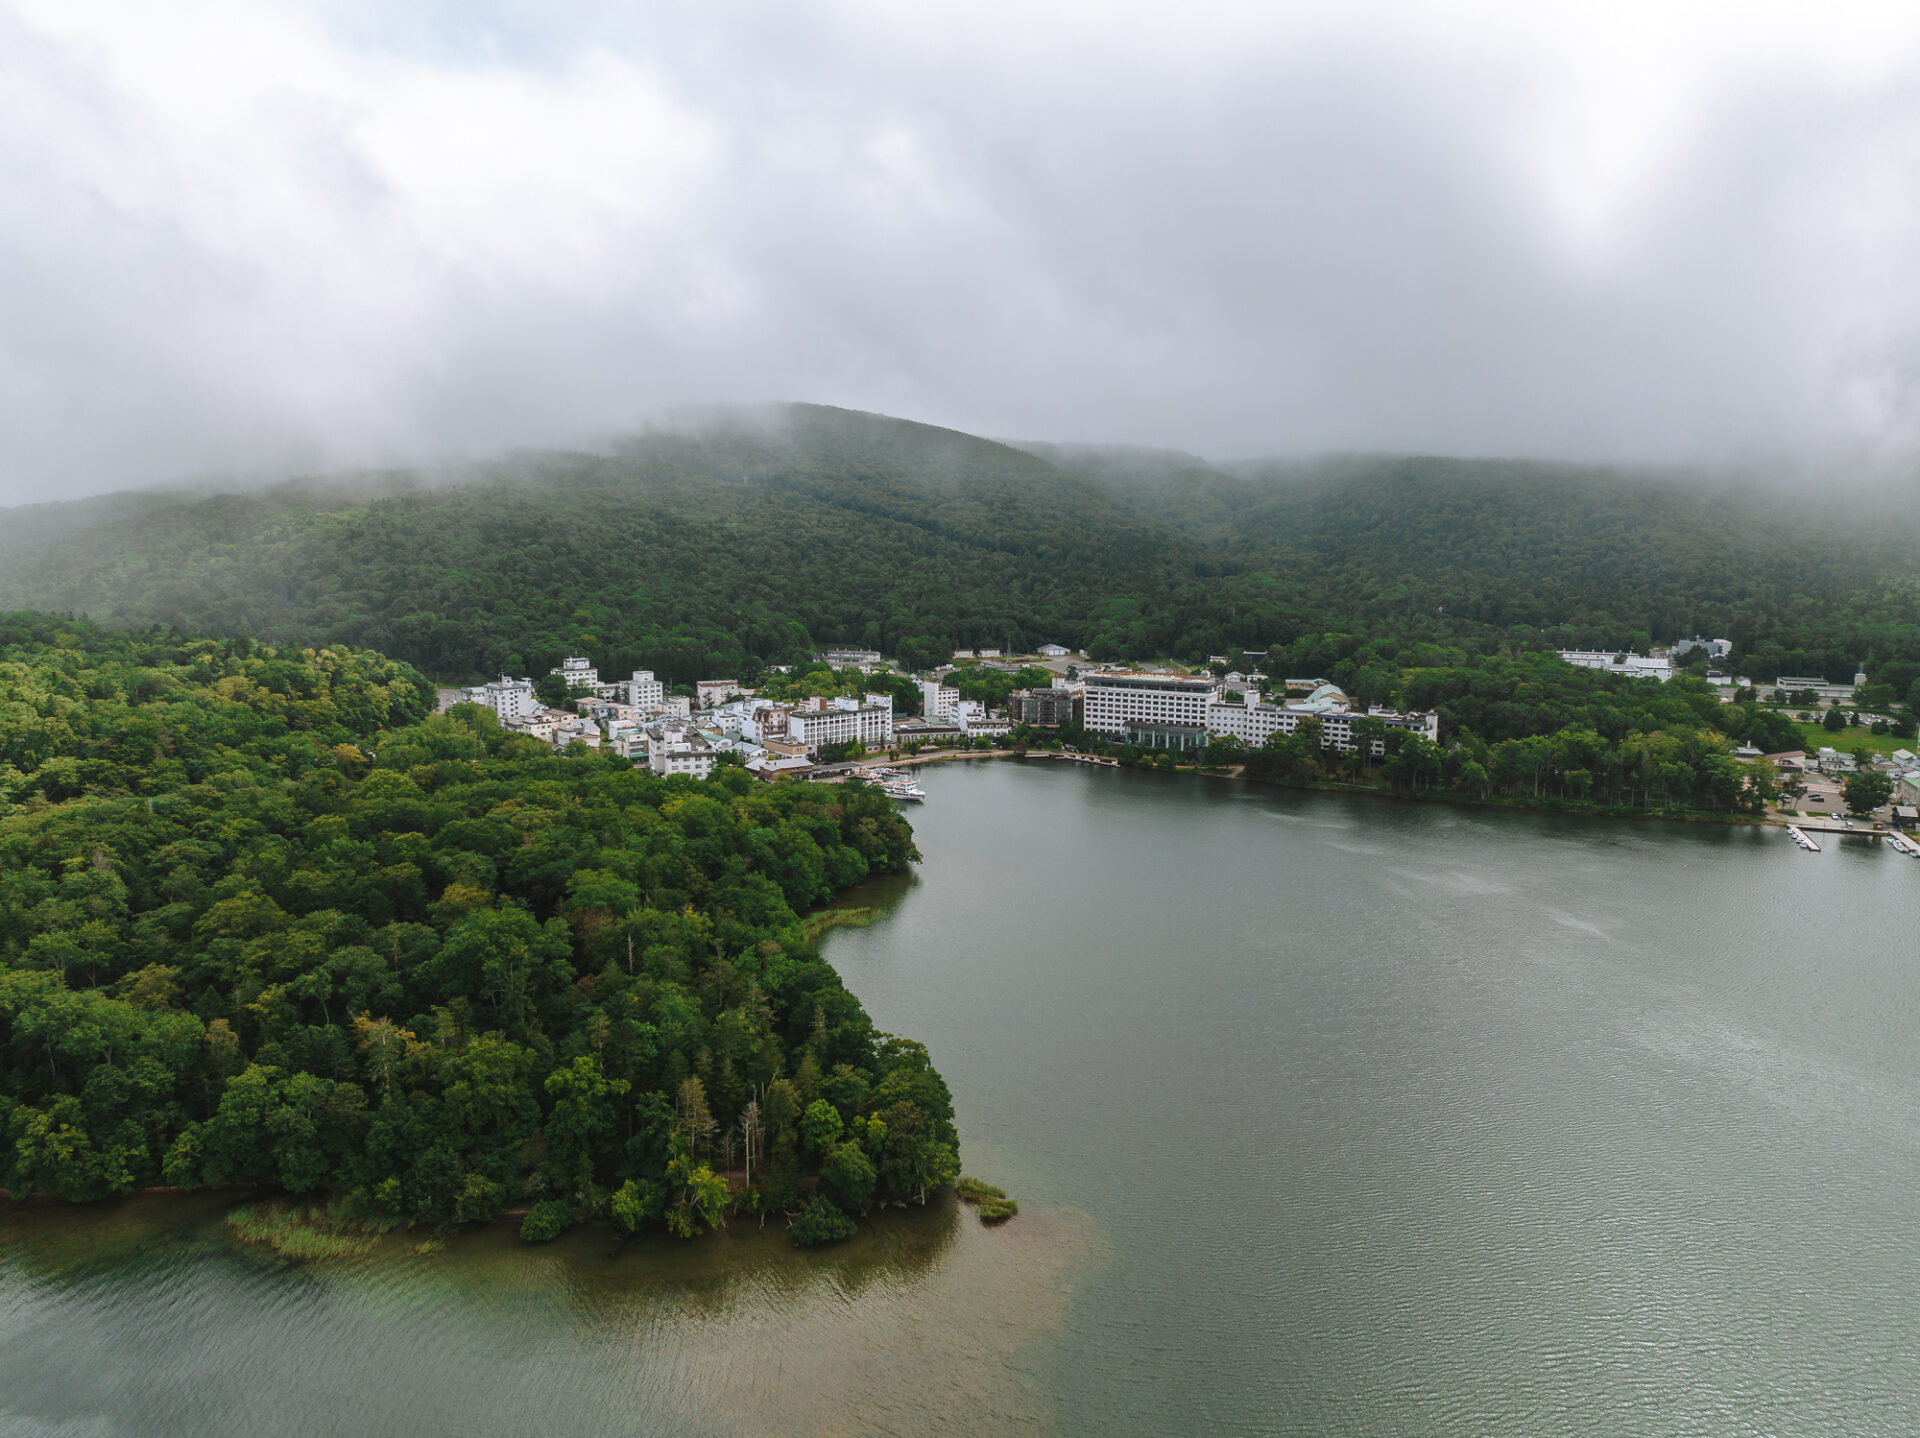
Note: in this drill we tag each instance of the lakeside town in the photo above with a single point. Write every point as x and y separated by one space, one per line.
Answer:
1164 711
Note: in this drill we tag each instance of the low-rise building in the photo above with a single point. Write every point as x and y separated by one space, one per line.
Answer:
925 731
709 693
851 658
1822 690
975 721
771 766
1634 666
576 730
541 724
1053 651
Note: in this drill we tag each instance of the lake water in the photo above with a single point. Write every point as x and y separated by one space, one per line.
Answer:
1326 1115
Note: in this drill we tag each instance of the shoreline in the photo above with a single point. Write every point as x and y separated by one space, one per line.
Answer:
1237 774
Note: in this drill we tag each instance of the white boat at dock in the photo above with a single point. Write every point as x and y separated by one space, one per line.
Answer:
1802 840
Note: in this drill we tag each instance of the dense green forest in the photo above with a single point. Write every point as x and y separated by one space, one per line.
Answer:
264 919
759 535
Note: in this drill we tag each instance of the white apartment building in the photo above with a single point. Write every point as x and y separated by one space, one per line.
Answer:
1163 711
1181 711
707 693
1253 724
680 751
937 700
974 721
642 691
763 719
507 698
843 720
851 658
579 673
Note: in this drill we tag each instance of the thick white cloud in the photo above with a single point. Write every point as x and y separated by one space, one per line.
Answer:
246 235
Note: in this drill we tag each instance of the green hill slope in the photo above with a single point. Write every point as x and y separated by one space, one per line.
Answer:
748 541
751 535
1570 555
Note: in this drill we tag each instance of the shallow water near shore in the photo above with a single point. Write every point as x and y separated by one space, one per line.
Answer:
1325 1114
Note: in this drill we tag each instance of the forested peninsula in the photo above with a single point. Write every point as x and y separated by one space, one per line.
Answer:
265 919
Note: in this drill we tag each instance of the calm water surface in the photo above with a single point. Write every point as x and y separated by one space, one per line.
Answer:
1326 1116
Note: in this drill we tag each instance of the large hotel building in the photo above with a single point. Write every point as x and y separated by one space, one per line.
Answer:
1183 711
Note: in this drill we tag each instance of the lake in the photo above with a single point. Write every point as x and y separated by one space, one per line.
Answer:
1326 1115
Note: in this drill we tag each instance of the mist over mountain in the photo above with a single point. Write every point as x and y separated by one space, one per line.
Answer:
739 537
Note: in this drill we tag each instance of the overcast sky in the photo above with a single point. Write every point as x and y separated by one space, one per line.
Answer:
261 236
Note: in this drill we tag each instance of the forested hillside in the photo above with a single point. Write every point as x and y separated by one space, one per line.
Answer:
262 920
753 536
694 555
1435 549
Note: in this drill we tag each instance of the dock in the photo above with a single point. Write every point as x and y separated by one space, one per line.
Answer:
1803 831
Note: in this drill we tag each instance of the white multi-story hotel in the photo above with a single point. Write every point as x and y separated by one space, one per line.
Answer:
507 698
763 719
1254 723
642 691
583 677
1160 711
937 700
843 720
579 673
1184 711
680 751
